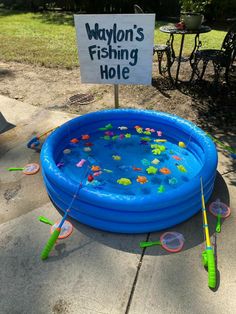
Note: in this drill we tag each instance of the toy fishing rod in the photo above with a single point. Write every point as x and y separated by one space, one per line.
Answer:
208 258
52 240
229 149
34 142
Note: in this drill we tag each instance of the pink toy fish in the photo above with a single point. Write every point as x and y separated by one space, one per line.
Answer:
121 136
97 173
80 163
150 130
159 133
60 164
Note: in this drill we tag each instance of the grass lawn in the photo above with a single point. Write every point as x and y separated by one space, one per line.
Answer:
49 38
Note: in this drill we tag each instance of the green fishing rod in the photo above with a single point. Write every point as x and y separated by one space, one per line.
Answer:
208 257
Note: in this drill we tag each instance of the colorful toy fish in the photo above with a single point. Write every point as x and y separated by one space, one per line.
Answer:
80 163
160 140
95 168
66 151
139 130
171 151
122 128
107 170
85 137
161 189
121 136
124 181
87 149
145 162
151 170
116 157
159 133
98 173
181 168
60 164
176 157
74 140
115 137
147 132
141 179
173 181
88 144
165 170
106 137
127 135
93 183
155 161
150 130
90 178
158 149
182 145
146 139
106 127
136 169
109 133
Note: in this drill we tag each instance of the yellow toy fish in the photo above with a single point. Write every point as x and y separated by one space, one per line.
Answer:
182 145
116 157
160 141
124 181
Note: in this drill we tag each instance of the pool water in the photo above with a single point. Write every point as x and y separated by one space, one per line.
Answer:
127 160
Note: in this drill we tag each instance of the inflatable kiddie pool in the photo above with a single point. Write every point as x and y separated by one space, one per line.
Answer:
128 171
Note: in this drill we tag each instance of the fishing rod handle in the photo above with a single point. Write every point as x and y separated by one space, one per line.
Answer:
50 244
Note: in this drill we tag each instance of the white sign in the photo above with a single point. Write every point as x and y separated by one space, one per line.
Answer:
115 48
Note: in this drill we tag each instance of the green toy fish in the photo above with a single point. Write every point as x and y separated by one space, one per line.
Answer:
106 127
124 181
161 189
151 170
181 168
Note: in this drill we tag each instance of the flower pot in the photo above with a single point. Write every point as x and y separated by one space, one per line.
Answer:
191 20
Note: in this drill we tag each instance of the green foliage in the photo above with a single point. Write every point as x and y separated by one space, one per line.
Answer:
221 9
49 38
195 6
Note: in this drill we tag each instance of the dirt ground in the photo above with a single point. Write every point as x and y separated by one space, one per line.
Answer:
212 108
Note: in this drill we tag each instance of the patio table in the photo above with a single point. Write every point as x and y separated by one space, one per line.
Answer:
172 30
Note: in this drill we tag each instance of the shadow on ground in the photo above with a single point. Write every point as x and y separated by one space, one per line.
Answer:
191 229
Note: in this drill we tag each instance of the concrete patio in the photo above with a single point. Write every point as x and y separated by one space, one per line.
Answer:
95 271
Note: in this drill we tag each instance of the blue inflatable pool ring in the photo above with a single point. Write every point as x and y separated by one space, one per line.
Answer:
128 171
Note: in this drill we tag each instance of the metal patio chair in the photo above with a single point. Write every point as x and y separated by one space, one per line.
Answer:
221 58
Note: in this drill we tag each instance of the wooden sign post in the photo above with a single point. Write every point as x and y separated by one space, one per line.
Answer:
115 49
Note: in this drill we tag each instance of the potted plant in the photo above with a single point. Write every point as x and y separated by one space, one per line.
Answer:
192 12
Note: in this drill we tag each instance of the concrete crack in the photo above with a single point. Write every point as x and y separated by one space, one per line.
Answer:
136 278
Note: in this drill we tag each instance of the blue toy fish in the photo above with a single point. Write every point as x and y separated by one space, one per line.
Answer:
145 162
